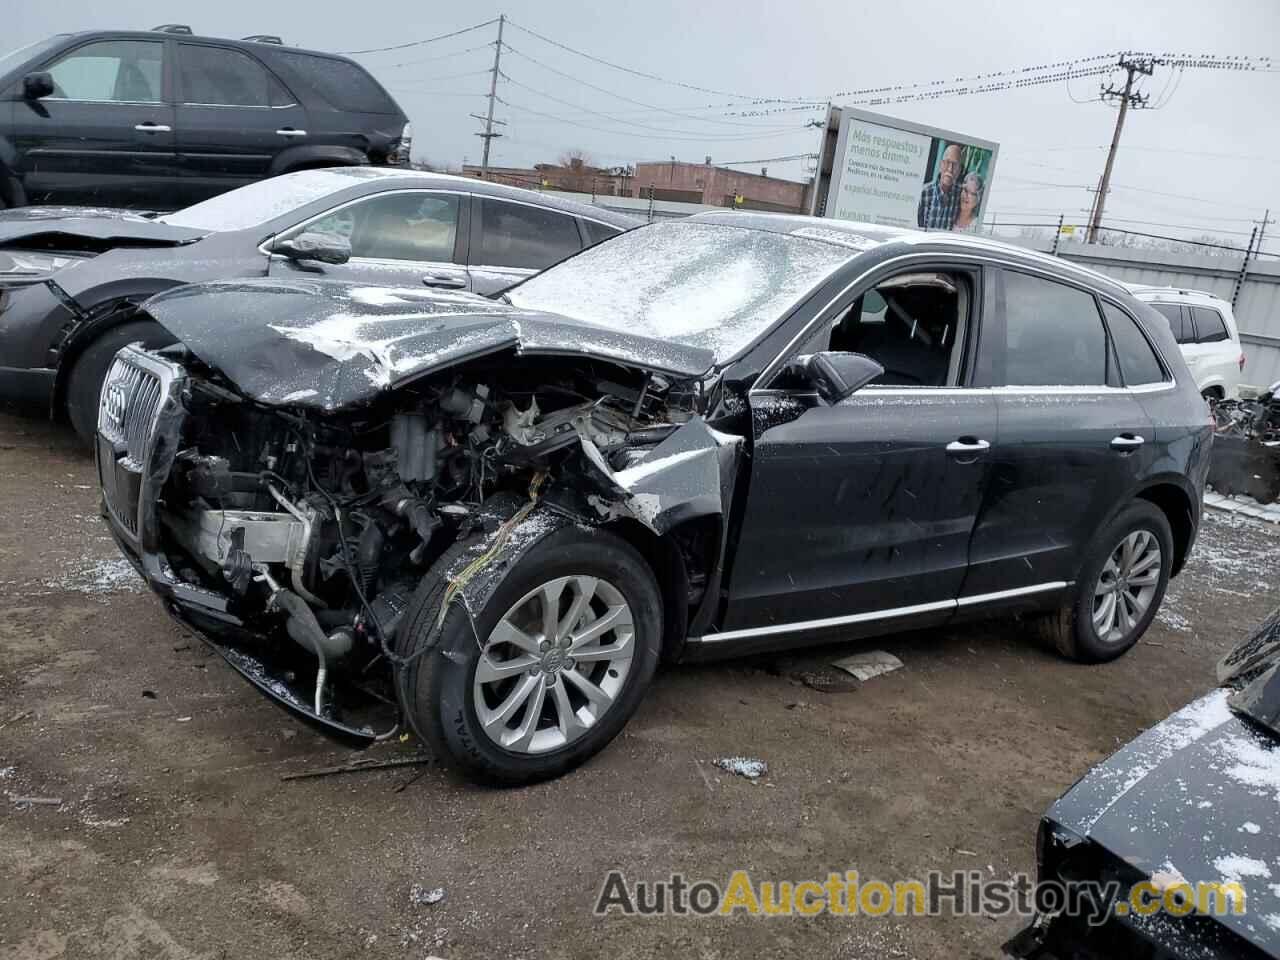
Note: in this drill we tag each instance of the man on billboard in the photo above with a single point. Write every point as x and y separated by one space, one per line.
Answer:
940 198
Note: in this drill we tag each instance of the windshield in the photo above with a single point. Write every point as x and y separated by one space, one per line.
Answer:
257 203
15 58
705 285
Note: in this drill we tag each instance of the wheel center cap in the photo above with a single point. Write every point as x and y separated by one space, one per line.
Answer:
553 660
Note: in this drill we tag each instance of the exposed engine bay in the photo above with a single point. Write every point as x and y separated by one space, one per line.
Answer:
327 524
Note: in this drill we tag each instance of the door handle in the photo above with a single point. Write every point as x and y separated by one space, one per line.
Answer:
290 132
967 445
150 127
444 281
1127 442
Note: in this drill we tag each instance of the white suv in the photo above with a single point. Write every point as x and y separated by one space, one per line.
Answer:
1206 331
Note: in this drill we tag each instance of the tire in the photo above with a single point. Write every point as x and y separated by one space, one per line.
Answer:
84 385
443 700
1072 629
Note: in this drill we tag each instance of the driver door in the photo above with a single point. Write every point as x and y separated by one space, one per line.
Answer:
402 238
859 514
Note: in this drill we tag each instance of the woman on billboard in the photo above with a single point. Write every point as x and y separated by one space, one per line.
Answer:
969 215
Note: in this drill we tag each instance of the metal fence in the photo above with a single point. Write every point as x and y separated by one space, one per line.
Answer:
1255 290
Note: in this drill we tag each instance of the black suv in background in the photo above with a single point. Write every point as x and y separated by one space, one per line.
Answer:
163 119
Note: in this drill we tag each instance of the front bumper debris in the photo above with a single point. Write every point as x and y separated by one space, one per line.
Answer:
134 459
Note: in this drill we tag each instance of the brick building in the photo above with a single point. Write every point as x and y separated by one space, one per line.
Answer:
719 186
575 177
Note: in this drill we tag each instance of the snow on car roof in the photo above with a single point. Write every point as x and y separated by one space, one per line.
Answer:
257 203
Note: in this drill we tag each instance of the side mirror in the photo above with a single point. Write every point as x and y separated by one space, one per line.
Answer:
837 375
323 247
37 85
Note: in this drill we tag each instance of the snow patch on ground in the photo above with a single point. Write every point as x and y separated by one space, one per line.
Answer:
748 767
97 577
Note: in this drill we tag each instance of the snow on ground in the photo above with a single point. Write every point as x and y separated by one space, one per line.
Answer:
1243 505
96 577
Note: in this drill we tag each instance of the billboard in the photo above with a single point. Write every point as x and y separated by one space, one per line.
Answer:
881 170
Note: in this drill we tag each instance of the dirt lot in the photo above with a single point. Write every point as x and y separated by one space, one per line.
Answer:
176 837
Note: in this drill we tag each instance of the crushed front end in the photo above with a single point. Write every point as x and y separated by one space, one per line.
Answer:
295 541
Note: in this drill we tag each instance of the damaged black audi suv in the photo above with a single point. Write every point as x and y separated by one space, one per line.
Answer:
489 520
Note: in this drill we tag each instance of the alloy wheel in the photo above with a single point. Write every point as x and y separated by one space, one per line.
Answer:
1126 586
555 663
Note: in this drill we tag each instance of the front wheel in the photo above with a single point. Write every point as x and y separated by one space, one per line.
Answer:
1119 589
556 663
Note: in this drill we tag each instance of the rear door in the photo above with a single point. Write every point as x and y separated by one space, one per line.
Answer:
511 240
233 117
1073 441
409 238
105 135
861 512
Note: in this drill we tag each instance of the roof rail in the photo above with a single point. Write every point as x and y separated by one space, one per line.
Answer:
180 28
1167 288
264 38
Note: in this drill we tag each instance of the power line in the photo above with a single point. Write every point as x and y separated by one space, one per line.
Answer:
742 163
605 116
640 103
408 84
418 43
633 72
443 56
644 136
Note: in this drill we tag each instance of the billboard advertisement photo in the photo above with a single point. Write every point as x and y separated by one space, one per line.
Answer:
877 169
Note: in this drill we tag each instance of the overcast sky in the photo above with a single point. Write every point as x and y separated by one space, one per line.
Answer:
1214 144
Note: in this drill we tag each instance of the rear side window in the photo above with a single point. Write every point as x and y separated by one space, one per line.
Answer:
340 82
223 77
516 235
1053 334
1210 327
120 71
598 232
1179 321
1138 362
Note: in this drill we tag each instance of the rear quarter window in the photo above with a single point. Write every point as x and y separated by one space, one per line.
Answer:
1210 327
341 83
1179 321
1138 361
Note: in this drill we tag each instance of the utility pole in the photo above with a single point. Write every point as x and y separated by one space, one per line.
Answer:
488 134
1127 98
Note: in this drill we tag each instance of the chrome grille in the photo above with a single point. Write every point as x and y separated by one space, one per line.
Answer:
132 394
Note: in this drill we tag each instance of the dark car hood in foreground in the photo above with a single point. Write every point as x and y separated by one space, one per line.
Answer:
100 224
1197 795
325 344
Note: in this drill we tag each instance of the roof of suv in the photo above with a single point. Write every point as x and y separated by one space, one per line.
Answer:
228 41
1177 294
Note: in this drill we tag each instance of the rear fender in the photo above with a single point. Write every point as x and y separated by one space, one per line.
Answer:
307 156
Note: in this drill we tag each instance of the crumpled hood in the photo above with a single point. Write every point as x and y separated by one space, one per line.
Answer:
1197 795
101 224
325 344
